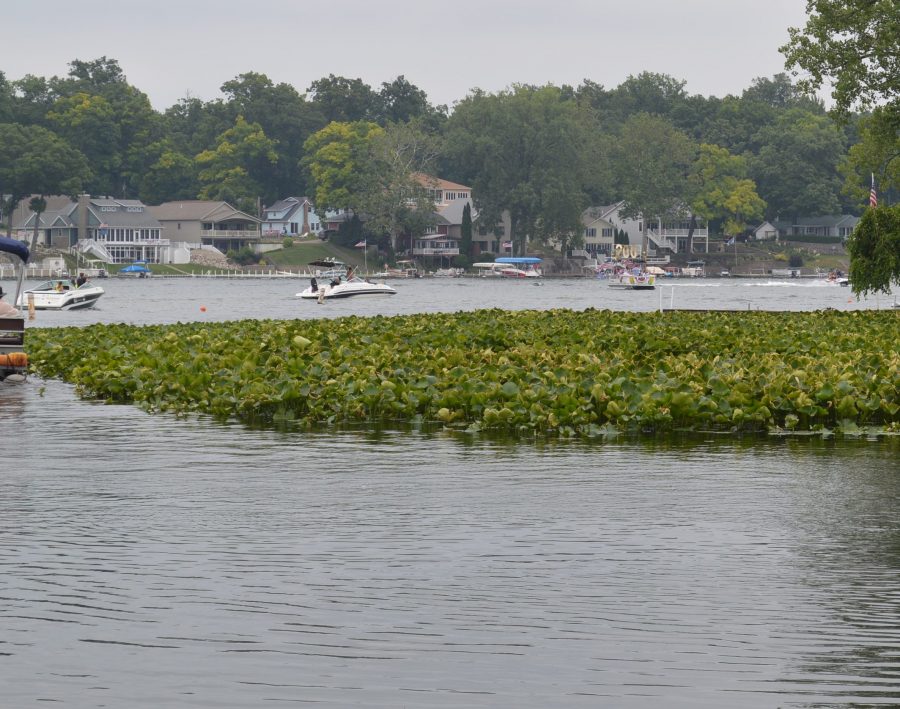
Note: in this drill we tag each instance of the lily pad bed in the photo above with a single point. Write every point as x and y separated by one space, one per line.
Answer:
535 373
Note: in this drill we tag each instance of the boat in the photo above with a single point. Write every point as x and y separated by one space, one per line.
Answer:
138 268
13 358
60 294
341 288
448 272
632 281
519 266
488 269
404 269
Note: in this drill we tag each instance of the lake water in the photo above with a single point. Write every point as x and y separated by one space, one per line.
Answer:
147 561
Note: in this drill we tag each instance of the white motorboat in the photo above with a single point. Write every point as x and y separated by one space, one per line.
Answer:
633 281
344 289
488 269
61 294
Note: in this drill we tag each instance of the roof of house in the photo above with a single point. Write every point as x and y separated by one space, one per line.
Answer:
438 183
827 220
452 212
198 210
120 213
287 206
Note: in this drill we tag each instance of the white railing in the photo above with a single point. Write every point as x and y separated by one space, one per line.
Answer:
435 252
229 233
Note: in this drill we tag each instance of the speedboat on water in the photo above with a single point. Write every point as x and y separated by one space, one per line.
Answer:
344 289
61 294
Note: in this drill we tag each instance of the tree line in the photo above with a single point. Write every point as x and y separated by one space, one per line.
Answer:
540 153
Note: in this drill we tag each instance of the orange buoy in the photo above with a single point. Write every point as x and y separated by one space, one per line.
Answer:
17 359
202 308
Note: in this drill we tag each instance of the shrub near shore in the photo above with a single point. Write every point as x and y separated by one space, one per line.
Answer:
540 373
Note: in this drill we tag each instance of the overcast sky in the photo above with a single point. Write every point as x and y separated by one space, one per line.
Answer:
170 49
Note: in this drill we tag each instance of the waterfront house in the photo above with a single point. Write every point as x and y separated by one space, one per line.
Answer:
666 236
291 216
208 223
835 227
441 237
113 230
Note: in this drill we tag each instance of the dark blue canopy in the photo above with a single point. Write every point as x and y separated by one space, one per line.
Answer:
14 246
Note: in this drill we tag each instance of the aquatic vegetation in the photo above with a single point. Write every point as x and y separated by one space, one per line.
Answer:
536 373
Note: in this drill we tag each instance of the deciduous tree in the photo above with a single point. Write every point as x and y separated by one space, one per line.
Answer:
234 171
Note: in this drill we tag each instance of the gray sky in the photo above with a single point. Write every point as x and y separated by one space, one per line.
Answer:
173 48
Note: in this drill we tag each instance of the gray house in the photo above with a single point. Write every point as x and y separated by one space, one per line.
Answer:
837 227
208 223
292 216
115 230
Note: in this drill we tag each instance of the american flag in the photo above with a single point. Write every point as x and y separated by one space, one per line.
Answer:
873 196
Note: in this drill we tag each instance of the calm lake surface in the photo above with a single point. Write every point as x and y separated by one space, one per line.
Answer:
147 561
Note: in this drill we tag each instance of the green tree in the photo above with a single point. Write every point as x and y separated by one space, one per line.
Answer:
874 249
235 170
465 241
38 205
653 160
796 167
344 100
98 111
721 190
852 44
89 123
527 151
36 161
395 197
877 153
169 174
338 159
285 116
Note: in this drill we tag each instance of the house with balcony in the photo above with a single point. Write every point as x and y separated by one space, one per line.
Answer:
208 223
114 230
835 227
441 237
672 235
291 216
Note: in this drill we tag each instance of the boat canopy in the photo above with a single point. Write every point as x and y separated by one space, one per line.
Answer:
15 247
327 263
517 259
136 267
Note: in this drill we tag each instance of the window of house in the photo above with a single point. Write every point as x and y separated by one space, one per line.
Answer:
607 231
590 232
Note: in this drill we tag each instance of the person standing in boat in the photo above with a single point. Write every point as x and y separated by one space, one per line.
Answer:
81 280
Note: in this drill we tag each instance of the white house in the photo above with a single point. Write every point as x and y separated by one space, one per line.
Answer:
292 216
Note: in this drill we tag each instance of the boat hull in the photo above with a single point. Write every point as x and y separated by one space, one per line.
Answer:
76 299
633 282
347 290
